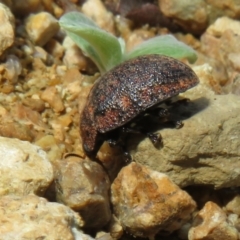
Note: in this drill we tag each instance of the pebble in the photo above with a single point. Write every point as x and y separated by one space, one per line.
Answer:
211 223
223 32
233 206
13 68
10 128
54 48
147 202
24 167
7 28
138 36
73 56
96 10
53 98
190 15
34 104
196 16
83 185
41 27
223 24
25 7
54 149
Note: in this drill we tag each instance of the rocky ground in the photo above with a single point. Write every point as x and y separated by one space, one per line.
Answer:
186 189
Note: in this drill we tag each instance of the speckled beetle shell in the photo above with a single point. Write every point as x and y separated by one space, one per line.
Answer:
128 90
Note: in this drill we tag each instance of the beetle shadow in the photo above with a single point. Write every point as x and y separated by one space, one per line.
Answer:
177 112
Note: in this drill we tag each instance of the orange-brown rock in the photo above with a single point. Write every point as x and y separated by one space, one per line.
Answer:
211 224
147 202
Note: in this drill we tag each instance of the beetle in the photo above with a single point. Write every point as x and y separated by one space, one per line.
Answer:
127 91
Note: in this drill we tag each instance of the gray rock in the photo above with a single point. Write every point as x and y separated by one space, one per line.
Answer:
206 150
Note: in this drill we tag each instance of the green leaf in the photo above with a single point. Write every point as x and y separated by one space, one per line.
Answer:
102 47
164 45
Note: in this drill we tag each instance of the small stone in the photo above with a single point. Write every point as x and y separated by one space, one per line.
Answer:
15 129
211 224
147 202
234 59
223 24
24 168
72 84
35 104
115 228
190 15
12 69
195 16
73 56
54 48
60 125
32 217
7 28
96 10
25 7
41 27
49 144
223 32
27 116
83 185
138 36
233 206
53 98
41 53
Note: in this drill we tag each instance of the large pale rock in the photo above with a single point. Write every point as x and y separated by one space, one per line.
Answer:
147 202
24 168
211 224
84 186
7 28
41 27
206 150
34 218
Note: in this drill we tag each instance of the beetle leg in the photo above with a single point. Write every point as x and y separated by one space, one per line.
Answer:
130 130
112 142
178 102
120 143
155 138
159 112
178 124
126 154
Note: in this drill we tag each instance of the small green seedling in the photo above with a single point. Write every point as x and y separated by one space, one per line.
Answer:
107 51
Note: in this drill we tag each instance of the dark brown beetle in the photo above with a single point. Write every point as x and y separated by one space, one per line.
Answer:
128 90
